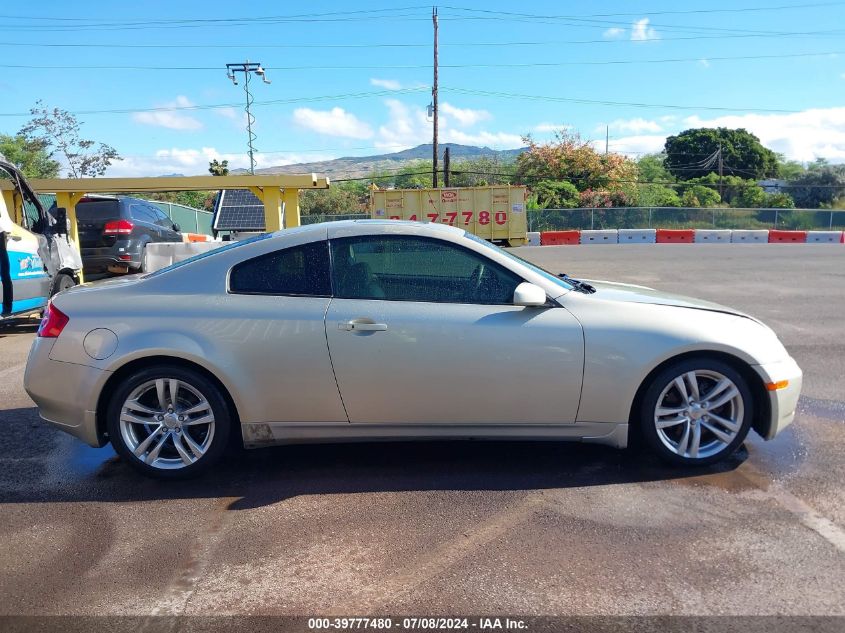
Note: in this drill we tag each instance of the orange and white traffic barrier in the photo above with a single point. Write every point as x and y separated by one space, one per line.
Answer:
708 236
560 238
787 237
600 236
675 236
637 236
827 237
750 236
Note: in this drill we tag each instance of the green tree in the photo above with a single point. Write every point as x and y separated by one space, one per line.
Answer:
218 168
652 168
59 131
694 153
779 201
568 158
28 155
554 194
789 169
654 195
700 196
338 199
820 186
482 171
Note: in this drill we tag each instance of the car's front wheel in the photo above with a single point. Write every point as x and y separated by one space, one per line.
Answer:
168 422
696 412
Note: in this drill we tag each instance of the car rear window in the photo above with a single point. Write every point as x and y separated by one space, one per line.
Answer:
101 210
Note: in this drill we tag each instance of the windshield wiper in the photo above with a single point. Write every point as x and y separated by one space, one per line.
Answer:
577 284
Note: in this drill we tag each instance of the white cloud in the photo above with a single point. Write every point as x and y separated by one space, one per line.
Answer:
170 119
614 33
334 122
642 32
634 126
546 128
634 146
389 84
704 62
802 136
465 117
408 127
496 140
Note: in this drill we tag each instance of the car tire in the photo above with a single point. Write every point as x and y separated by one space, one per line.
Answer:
63 281
162 439
696 412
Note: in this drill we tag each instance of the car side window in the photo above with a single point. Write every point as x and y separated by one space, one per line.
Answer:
141 213
299 270
399 268
162 219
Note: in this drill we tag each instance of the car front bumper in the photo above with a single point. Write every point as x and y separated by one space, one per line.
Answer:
66 393
783 401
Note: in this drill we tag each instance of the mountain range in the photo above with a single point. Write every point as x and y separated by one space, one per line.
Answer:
361 166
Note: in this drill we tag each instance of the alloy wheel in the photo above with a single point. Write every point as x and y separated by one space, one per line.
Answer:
167 423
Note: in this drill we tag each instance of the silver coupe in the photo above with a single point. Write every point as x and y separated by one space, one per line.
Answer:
387 330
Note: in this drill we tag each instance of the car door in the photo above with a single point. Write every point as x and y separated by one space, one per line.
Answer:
424 331
29 281
277 305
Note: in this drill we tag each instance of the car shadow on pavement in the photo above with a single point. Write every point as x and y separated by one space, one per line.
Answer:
11 327
41 464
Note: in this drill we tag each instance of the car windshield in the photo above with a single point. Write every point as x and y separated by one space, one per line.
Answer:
534 267
215 251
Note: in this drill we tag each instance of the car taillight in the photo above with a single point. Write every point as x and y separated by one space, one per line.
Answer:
118 227
53 323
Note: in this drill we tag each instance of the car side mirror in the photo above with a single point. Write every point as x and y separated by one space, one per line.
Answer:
176 227
60 227
529 295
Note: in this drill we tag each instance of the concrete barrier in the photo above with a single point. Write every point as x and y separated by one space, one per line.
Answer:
558 238
787 237
705 236
161 255
828 237
639 236
754 236
603 236
533 238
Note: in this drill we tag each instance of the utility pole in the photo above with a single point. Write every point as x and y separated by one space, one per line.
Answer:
606 138
247 68
434 101
446 174
721 163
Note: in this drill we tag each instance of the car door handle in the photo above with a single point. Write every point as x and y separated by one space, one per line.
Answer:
15 238
361 326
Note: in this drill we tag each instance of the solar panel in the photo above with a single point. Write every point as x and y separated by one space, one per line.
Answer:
238 210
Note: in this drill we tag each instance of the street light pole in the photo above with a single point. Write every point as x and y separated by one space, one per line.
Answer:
248 68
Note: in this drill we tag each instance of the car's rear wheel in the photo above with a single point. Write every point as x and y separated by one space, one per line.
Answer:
168 422
62 281
696 412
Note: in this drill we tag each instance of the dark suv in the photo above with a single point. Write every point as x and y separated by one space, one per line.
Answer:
113 232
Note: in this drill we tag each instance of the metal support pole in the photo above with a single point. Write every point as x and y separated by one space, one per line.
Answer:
592 218
291 200
434 102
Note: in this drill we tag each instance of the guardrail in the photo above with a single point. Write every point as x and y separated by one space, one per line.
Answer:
684 218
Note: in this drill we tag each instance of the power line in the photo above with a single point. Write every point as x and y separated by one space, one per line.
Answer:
252 45
425 66
214 106
510 95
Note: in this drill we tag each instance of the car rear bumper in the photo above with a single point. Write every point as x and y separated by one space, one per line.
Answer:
122 253
783 401
66 393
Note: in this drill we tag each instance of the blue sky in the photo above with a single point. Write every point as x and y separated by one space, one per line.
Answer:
354 79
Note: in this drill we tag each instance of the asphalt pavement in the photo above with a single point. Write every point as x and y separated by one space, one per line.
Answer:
460 528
